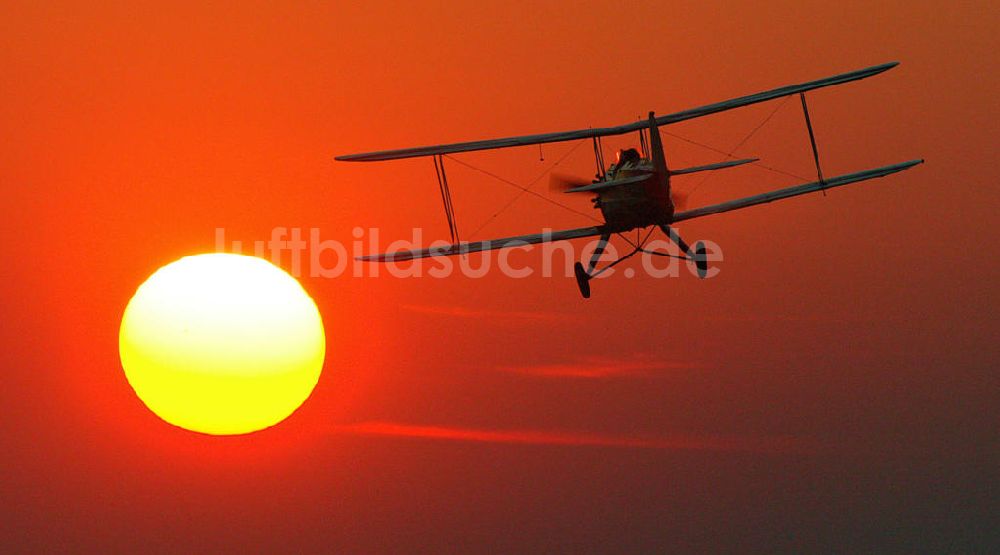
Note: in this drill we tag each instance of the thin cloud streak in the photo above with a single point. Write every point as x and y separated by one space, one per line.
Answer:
767 444
595 367
462 312
821 318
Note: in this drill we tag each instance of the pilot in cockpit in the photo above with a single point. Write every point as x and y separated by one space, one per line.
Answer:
628 159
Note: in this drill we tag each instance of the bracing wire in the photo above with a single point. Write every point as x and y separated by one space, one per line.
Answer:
743 142
599 155
724 153
730 154
524 189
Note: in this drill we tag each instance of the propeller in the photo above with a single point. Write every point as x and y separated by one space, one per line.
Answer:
560 182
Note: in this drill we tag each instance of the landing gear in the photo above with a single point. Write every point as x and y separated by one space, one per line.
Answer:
582 280
701 259
583 275
699 254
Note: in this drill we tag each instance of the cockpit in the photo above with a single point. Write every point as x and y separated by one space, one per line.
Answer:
628 156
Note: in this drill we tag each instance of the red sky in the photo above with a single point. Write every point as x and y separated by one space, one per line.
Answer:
833 389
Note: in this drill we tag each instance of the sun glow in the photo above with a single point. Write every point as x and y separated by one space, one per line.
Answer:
222 343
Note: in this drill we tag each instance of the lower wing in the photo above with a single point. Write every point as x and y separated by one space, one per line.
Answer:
463 248
794 191
564 235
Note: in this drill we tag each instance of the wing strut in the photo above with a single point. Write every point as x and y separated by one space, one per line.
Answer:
812 141
599 157
643 143
449 208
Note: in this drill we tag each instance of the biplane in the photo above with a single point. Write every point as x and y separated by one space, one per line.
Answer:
633 193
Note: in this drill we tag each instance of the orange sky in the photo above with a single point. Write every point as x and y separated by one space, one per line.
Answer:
834 388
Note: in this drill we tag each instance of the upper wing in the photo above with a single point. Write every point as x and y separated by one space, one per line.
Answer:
463 248
774 93
794 191
620 129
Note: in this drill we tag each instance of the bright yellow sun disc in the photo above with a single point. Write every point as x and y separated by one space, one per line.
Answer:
222 343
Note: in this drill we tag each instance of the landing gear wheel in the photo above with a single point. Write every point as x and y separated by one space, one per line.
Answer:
582 280
701 259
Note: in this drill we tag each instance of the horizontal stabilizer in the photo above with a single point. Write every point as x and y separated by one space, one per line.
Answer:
608 184
711 167
494 244
788 192
619 129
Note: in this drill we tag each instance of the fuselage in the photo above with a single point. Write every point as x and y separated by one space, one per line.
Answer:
639 204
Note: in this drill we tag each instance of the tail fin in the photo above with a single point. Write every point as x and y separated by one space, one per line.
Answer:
656 148
659 162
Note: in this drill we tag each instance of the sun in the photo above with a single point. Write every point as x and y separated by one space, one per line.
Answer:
222 343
